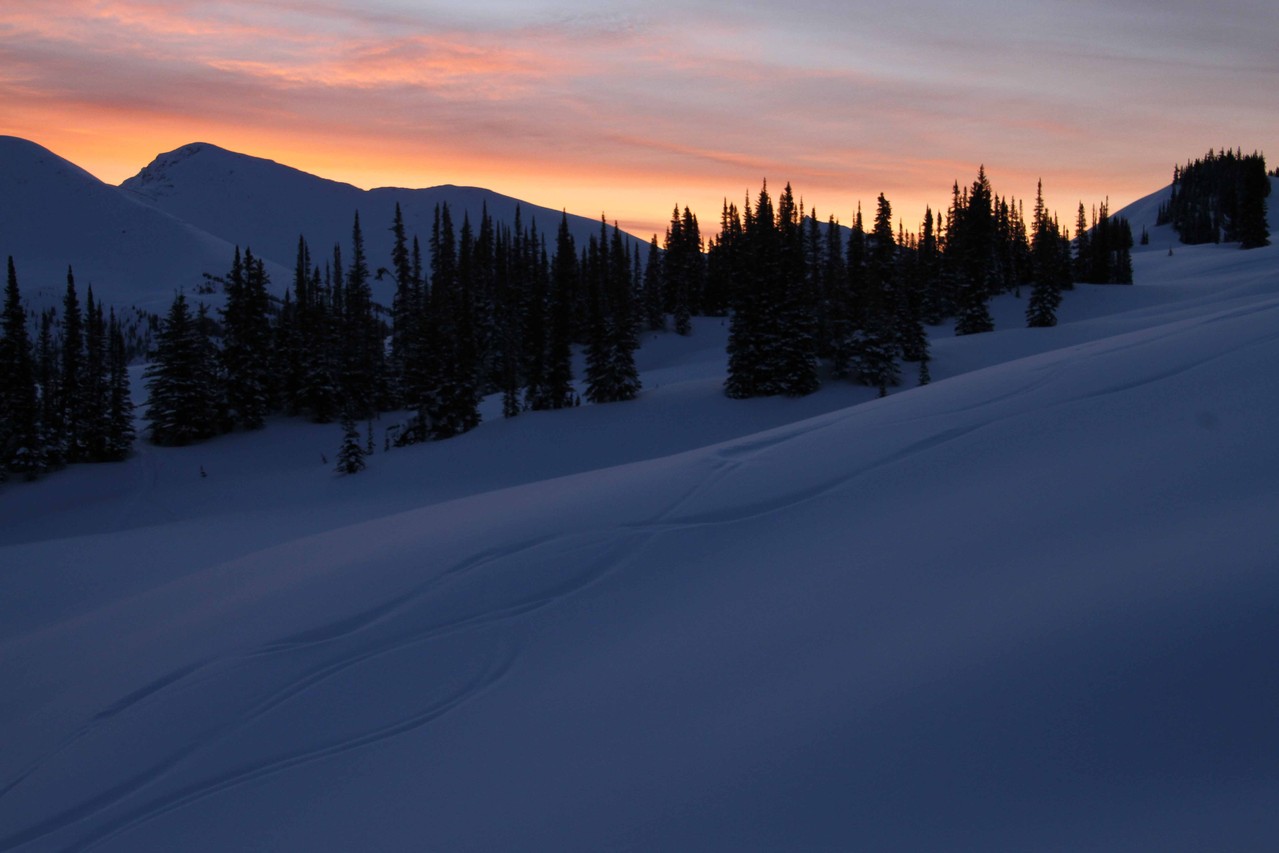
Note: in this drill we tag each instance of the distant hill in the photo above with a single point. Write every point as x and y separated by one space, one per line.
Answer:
1144 213
56 214
266 205
183 215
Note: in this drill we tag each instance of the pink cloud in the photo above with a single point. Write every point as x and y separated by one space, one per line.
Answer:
614 110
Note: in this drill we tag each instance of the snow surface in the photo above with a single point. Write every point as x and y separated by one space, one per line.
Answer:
1029 606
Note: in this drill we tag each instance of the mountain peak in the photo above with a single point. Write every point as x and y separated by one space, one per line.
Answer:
203 162
22 159
156 176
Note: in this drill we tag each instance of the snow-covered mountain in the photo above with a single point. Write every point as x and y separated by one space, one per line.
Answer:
183 215
260 203
1028 606
55 214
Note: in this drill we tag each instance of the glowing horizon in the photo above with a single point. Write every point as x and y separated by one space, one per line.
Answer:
599 109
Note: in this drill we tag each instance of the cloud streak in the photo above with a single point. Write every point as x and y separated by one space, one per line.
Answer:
597 107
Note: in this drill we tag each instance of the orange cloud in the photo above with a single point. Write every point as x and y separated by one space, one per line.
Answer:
625 112
441 65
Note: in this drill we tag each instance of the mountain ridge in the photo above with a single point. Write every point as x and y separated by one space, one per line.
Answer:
182 215
250 200
57 215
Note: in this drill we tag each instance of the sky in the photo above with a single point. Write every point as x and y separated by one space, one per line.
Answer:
630 109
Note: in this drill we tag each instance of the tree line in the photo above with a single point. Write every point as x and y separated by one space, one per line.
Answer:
64 397
808 302
497 308
493 309
1220 197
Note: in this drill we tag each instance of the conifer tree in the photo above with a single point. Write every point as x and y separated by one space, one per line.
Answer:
689 295
683 270
418 372
971 246
120 430
486 332
1109 245
1121 246
723 262
289 358
182 403
456 399
1051 259
405 306
610 355
319 334
912 337
748 330
246 341
623 316
847 302
352 452
654 316
925 376
1083 249
468 283
795 294
928 264
814 248
21 442
877 345
212 380
362 368
71 411
289 346
772 344
511 323
436 327
444 388
48 377
598 347
535 311
1252 228
556 391
95 390
834 282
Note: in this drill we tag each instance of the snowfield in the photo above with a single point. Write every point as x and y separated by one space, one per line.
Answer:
1033 605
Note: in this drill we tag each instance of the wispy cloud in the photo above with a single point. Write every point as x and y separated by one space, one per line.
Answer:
597 105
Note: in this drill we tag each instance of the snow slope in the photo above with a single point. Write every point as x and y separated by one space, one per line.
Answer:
55 214
1029 606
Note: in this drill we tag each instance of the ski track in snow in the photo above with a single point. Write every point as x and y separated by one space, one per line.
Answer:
500 664
735 455
671 520
400 633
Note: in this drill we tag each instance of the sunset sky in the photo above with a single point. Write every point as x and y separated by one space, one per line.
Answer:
629 109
